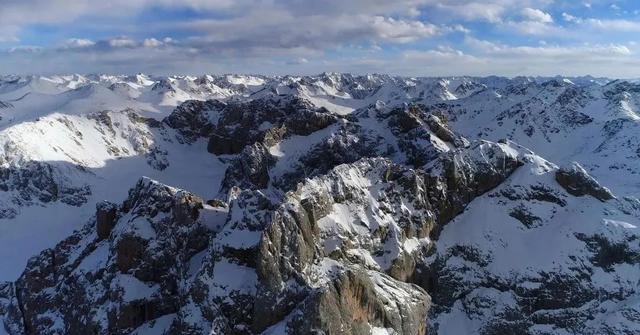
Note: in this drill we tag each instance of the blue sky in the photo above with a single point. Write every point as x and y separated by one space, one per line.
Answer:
406 37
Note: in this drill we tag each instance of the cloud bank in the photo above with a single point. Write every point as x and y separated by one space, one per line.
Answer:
410 37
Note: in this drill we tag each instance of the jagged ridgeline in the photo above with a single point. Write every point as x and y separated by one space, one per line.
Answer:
332 204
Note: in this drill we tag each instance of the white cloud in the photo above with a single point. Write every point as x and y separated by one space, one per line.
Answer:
400 31
152 43
575 54
456 28
262 35
480 58
9 33
604 25
25 49
297 61
6 38
534 22
482 45
570 18
23 12
613 25
491 48
78 43
413 12
534 28
491 12
122 42
536 15
282 30
491 58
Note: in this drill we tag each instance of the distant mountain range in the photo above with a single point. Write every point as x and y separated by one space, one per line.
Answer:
335 204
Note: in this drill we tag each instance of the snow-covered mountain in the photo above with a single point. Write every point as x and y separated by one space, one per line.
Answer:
339 204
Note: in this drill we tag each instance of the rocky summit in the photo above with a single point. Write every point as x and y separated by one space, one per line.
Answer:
328 204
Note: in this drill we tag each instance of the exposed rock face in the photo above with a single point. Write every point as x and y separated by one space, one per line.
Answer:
384 238
470 173
440 129
386 220
194 119
357 300
159 256
241 124
347 144
115 282
39 182
578 182
222 145
232 125
249 170
140 134
549 295
163 85
422 136
281 254
106 214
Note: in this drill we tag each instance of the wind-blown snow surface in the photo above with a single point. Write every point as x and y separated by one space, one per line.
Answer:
88 129
68 142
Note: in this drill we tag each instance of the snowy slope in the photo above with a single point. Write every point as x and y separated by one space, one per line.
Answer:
319 185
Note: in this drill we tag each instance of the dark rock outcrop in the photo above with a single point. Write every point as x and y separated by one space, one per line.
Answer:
249 170
357 301
112 283
40 183
578 182
230 126
106 215
194 119
264 120
422 136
